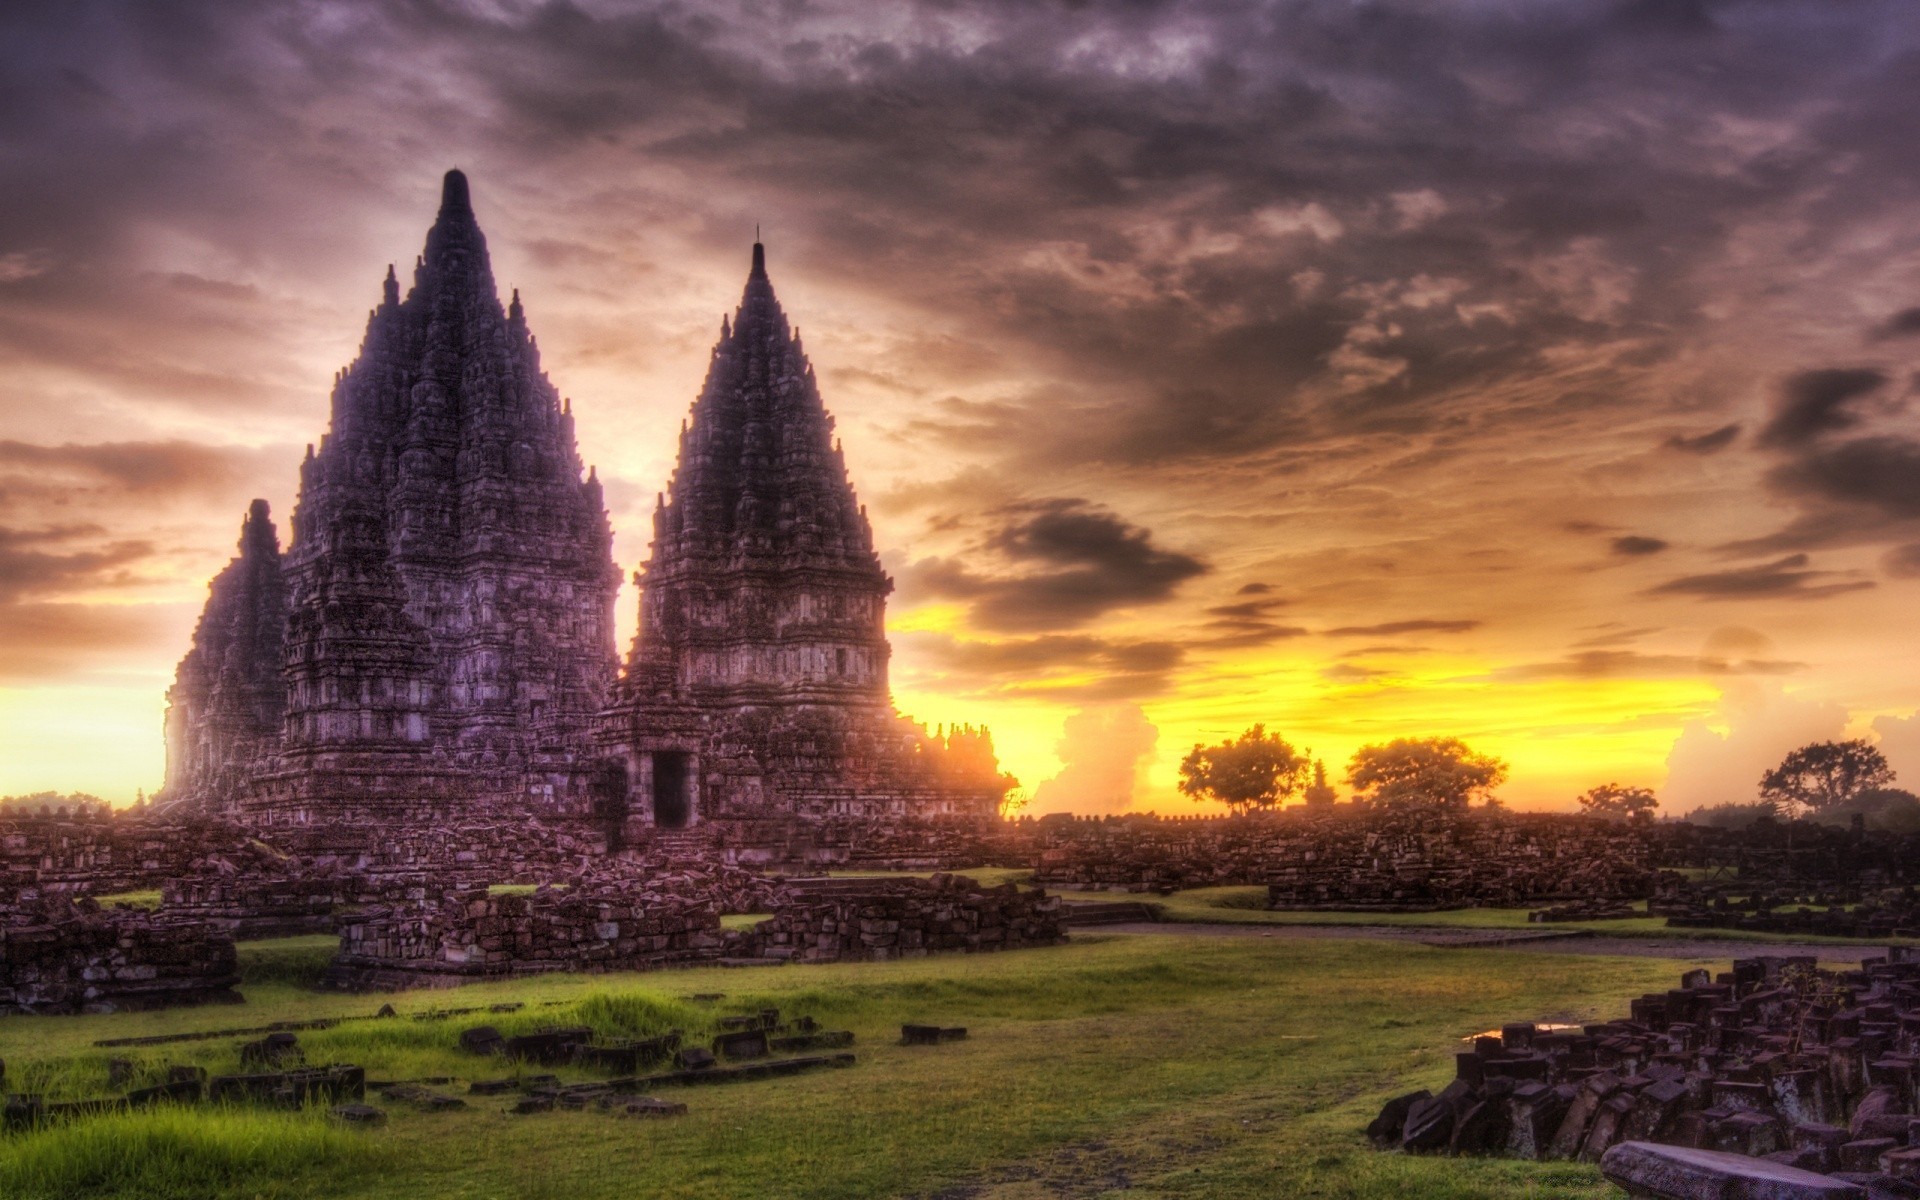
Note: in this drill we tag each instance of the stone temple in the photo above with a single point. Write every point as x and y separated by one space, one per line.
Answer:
437 638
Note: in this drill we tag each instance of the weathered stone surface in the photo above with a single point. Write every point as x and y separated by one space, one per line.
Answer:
757 684
1743 1064
437 636
1680 1173
879 919
60 956
443 610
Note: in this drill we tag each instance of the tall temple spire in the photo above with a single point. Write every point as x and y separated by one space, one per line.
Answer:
763 614
449 488
761 490
453 194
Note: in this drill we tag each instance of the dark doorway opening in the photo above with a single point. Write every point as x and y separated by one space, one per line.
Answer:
671 804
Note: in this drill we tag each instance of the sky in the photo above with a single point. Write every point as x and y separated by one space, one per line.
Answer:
1535 373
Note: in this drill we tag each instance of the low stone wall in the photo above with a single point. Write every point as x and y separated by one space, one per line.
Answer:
467 934
1853 912
70 957
856 920
102 852
1777 1059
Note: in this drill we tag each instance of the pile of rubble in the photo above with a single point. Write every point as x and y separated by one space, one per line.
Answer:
62 956
1850 912
93 851
1352 858
1808 1068
855 920
466 934
1473 860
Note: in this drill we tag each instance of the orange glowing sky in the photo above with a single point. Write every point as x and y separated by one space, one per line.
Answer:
1539 375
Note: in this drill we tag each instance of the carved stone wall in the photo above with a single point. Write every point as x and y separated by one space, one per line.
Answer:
757 683
436 640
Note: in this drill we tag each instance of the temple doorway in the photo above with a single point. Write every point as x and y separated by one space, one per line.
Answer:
672 806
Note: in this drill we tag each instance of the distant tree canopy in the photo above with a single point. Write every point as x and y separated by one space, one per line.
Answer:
1618 802
1733 816
1887 809
1424 772
37 800
1824 775
1255 770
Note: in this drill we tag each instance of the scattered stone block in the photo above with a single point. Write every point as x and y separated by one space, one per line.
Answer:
1647 1169
482 1039
694 1058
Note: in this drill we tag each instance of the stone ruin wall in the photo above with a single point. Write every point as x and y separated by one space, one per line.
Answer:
1355 859
872 920
435 642
1775 1060
465 935
60 956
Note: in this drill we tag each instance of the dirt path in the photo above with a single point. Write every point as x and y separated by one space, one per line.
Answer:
1549 942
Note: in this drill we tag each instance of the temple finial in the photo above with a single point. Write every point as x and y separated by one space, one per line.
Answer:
759 253
453 193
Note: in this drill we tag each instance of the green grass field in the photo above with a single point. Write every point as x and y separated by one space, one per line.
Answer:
1247 906
1114 1066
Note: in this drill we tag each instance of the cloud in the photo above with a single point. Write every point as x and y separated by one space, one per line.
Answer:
1346 672
1066 562
1394 628
1631 664
143 469
1260 277
1786 577
57 642
1248 622
1703 444
1720 760
1635 546
1815 403
1899 740
1905 323
1902 562
1880 472
1106 753
1061 666
29 568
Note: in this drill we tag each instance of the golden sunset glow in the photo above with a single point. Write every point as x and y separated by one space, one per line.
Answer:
1269 389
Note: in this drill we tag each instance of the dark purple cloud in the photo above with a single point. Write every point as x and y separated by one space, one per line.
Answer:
1063 562
1711 442
1814 403
1789 577
1394 628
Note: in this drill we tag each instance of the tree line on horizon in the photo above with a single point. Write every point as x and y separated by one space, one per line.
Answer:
1829 782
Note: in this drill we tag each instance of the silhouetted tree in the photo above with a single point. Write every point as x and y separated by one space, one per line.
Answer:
1255 770
1618 802
1825 774
1318 792
1415 772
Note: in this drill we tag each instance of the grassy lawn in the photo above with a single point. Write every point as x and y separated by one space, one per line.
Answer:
1120 1066
1246 906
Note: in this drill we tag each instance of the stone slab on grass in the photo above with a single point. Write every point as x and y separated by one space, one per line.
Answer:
1648 1169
